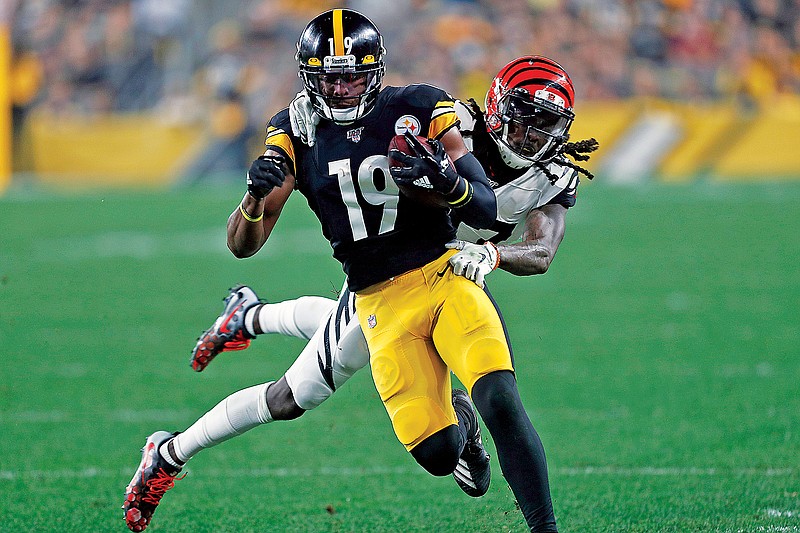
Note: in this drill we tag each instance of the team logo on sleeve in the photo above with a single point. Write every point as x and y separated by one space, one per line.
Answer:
407 123
372 321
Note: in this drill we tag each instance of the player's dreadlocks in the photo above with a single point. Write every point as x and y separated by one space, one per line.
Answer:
577 150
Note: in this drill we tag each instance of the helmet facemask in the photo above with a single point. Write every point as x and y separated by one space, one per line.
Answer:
532 128
322 85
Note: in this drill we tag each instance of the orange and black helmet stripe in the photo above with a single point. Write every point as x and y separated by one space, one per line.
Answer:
538 71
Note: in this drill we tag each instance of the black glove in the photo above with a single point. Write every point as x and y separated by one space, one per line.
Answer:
425 170
265 174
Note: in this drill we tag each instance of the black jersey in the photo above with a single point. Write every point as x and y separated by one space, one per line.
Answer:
375 232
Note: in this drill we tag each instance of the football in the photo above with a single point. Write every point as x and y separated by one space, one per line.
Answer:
424 196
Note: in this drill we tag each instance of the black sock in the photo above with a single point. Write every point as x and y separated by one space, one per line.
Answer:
256 319
519 448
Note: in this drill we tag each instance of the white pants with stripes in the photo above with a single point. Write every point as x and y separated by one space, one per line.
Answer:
336 351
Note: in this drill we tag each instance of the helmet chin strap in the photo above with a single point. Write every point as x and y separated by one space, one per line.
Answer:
346 115
341 116
513 159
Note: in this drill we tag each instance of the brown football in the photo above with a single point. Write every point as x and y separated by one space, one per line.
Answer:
428 197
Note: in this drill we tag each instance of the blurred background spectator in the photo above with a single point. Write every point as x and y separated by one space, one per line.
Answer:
226 67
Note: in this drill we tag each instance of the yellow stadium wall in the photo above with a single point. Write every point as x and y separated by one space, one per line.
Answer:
767 145
719 141
716 141
605 121
112 151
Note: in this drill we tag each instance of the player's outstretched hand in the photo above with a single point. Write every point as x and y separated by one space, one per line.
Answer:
265 174
474 261
425 169
303 118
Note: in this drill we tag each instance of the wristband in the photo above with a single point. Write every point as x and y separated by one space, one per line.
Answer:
497 254
247 216
464 198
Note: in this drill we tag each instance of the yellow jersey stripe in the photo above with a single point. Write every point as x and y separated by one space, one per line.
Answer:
279 139
338 33
442 121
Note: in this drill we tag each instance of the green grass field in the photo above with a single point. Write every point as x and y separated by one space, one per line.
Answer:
659 360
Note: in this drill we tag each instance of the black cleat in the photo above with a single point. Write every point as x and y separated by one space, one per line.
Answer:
472 474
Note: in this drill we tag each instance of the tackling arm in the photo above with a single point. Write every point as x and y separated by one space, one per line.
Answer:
544 231
251 223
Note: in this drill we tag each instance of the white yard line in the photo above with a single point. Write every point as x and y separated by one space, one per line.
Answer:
296 472
646 471
146 245
770 529
119 415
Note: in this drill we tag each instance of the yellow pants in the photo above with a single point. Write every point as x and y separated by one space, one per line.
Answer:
419 326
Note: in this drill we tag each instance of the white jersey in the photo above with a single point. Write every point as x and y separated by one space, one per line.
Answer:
518 197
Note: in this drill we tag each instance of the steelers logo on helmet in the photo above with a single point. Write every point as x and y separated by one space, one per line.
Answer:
340 55
529 110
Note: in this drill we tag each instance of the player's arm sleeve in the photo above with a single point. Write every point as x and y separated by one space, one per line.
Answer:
443 119
473 198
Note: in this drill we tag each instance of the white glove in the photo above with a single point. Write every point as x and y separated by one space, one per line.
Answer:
474 261
303 118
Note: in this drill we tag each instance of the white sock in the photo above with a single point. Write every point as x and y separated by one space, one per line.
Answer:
239 412
298 318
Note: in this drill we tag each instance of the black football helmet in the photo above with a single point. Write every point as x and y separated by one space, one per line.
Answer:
341 46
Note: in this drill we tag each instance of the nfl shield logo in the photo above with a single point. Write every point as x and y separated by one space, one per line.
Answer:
354 135
372 321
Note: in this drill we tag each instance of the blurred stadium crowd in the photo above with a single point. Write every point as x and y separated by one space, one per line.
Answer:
229 65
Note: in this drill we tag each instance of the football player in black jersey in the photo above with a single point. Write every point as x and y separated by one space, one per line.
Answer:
421 320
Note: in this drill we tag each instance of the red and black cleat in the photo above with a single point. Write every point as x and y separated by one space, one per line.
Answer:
228 332
152 479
